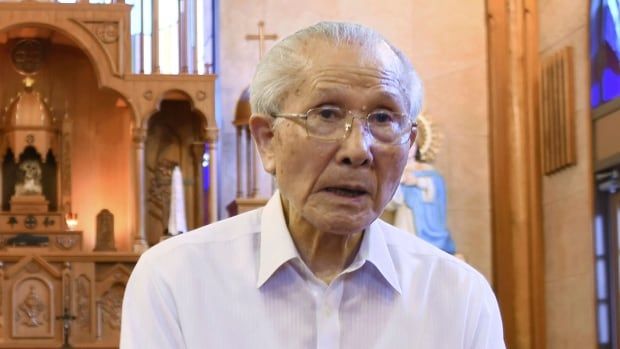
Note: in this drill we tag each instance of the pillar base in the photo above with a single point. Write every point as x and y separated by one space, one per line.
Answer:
140 246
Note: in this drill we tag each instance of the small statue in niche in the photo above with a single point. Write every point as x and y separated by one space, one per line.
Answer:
31 183
105 231
421 202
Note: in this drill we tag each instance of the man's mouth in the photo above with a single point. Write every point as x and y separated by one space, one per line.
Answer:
348 192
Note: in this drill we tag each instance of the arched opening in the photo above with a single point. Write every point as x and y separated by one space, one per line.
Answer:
173 139
93 147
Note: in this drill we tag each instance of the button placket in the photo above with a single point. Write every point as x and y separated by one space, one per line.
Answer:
328 317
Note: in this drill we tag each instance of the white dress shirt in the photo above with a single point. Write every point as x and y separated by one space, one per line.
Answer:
240 283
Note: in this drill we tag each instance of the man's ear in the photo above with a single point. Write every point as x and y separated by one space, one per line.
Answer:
413 138
261 128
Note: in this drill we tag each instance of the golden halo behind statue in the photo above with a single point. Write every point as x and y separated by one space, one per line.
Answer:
428 139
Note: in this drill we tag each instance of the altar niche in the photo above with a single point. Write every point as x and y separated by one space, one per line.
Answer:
30 175
173 139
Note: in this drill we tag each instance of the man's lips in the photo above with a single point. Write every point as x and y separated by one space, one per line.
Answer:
347 191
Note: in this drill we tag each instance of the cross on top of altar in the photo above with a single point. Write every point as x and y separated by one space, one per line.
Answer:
261 37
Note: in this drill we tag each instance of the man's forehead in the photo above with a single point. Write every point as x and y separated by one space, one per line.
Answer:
343 79
324 53
324 77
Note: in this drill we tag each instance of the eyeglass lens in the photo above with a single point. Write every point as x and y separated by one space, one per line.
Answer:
332 123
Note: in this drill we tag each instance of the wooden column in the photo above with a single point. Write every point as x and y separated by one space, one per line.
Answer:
139 137
212 135
155 37
518 260
183 42
65 172
198 150
180 35
141 37
239 163
194 21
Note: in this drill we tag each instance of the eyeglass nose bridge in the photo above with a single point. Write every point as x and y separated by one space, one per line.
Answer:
348 126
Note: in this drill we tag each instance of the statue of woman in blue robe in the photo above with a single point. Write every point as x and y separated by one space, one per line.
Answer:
424 192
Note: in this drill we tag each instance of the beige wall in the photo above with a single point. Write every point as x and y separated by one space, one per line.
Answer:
446 40
567 195
606 140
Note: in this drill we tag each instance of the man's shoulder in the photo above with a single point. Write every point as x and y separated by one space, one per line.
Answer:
230 230
410 249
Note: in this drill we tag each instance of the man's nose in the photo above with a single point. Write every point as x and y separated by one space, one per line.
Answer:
355 147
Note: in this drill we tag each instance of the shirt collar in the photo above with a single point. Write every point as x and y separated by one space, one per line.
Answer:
277 246
374 249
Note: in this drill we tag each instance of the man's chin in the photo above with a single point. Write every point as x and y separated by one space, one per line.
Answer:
342 225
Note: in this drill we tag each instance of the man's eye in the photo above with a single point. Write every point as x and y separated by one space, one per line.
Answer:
382 117
329 113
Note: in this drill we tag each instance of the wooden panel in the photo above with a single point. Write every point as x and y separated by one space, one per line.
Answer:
557 111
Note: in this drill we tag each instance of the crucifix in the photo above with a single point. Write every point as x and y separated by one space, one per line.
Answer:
261 37
253 160
66 318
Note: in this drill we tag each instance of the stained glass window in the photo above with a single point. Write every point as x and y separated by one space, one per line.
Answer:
604 51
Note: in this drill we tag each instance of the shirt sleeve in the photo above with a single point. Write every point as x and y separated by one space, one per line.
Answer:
486 321
149 314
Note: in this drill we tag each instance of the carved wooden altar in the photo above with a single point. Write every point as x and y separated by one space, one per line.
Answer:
129 125
81 134
38 285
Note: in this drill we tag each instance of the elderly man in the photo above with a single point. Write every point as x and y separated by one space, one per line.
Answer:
334 109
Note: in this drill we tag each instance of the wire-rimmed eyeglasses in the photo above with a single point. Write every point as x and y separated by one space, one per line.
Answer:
331 124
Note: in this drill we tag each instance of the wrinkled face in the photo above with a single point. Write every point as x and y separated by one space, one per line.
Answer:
340 187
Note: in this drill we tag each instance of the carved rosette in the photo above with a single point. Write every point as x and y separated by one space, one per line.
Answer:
65 242
106 32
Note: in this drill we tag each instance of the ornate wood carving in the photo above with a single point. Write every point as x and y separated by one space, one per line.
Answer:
66 242
83 301
28 55
106 32
201 95
148 95
65 171
557 111
32 313
158 198
36 289
111 304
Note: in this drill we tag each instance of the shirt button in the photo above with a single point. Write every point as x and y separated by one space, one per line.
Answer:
327 310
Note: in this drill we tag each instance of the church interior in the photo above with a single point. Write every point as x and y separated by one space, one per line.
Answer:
123 123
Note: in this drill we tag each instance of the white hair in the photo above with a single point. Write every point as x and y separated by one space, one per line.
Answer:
284 66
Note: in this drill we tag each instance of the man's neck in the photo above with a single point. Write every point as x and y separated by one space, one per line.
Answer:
326 254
